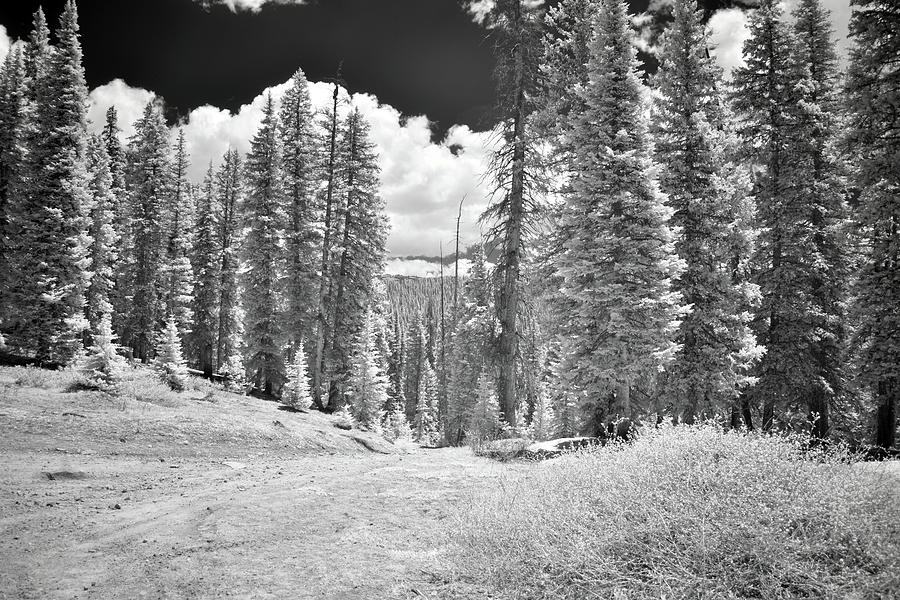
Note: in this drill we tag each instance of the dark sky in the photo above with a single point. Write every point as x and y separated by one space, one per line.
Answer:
420 56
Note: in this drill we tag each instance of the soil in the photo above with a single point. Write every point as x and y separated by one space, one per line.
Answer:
101 498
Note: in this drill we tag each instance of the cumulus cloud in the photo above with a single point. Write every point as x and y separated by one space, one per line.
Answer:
423 268
728 32
5 43
253 6
422 182
129 102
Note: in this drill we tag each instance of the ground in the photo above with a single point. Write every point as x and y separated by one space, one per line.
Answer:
192 498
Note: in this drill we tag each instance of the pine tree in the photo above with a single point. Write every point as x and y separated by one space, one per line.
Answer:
717 349
543 421
426 423
103 239
470 343
263 219
295 392
121 293
149 174
53 280
177 273
871 89
781 97
298 141
615 309
361 248
511 212
484 418
102 367
229 188
205 261
367 385
169 361
13 111
818 187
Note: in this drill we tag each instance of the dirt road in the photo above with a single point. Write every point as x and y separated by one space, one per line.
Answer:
122 518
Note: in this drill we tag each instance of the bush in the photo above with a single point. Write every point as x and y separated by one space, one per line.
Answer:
688 512
37 377
144 385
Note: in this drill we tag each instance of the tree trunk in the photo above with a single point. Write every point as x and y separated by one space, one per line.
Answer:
321 318
886 415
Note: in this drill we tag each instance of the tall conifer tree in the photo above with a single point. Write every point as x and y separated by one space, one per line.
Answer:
263 219
872 92
615 309
717 349
205 260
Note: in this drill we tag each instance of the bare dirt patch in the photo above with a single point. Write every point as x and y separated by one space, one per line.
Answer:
214 500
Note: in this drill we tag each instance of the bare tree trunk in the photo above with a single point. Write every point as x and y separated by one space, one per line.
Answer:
321 318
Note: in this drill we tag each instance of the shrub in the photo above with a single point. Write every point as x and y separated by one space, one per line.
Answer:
101 368
687 512
37 377
144 385
169 359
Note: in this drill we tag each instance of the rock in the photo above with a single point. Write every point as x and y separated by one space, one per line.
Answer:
506 449
345 425
551 448
60 475
234 465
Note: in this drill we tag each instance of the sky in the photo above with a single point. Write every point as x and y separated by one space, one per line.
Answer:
420 70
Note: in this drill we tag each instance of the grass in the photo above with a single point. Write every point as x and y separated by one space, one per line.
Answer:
686 512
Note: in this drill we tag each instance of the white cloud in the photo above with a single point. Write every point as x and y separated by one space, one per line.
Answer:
422 268
5 43
129 102
421 182
248 5
728 33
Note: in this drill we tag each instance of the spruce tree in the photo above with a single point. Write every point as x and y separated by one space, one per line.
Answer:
470 343
103 249
367 385
295 392
717 348
615 308
361 247
121 292
102 367
871 89
818 188
169 362
299 146
149 174
484 416
177 275
263 219
426 422
13 112
205 261
54 278
229 189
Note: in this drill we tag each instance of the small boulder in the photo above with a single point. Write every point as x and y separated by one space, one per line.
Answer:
552 448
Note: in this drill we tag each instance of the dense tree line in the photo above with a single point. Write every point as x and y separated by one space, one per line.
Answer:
101 240
679 244
710 247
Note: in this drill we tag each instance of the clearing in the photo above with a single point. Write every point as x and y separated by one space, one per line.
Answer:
234 497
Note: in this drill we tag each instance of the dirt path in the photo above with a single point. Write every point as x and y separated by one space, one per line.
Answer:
162 522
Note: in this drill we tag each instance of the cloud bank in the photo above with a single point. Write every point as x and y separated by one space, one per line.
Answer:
422 182
253 6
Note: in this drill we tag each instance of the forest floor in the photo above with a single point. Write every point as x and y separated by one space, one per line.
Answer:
216 496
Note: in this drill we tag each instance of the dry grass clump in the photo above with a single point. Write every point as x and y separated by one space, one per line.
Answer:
145 385
37 377
688 512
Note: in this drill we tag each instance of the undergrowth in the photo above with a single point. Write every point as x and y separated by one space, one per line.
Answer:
686 512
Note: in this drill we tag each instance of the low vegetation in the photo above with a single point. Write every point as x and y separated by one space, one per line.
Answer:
688 512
